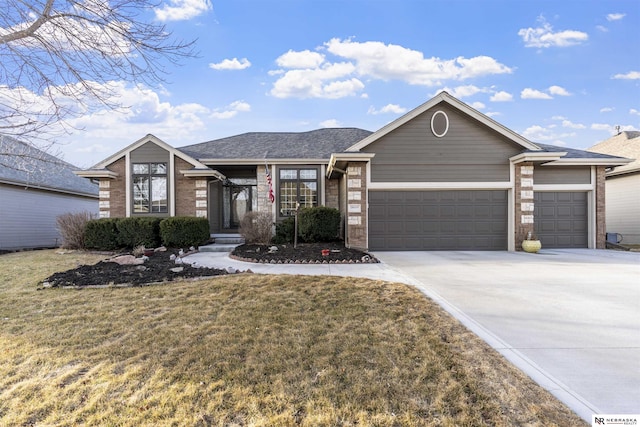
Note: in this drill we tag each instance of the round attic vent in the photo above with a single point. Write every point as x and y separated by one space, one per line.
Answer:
439 124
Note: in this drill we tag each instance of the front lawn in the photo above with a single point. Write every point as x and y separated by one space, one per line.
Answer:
247 350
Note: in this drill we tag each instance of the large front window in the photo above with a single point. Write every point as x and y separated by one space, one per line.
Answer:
150 188
297 185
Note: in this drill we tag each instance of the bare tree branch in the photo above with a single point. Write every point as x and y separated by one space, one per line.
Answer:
59 59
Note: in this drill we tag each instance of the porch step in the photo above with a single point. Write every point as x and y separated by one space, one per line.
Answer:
223 243
218 247
228 239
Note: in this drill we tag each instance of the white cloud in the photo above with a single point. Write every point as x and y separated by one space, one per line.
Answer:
546 134
631 75
634 112
331 123
478 105
181 10
231 64
231 110
307 74
606 109
529 93
612 129
303 59
330 81
492 114
602 28
557 90
571 125
602 126
464 91
389 108
615 16
501 96
394 62
544 36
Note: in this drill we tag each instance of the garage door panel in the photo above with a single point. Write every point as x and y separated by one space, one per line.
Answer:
561 219
450 220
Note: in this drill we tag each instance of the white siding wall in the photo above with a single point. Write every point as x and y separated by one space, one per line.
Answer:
623 207
28 217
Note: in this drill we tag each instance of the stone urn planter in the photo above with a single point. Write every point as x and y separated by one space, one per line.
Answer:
531 246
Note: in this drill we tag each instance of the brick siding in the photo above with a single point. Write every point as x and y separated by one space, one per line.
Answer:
524 220
185 189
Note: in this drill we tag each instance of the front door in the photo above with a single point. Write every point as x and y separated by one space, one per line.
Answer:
238 198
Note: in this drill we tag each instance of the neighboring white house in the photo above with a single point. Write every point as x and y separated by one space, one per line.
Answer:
35 188
623 186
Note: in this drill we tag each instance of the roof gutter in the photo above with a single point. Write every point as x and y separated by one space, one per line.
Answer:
97 173
337 158
542 156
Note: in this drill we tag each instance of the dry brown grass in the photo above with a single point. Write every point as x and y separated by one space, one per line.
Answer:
247 350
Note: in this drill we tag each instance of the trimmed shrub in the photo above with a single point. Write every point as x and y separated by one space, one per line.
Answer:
319 224
139 231
71 227
101 234
184 231
256 227
285 231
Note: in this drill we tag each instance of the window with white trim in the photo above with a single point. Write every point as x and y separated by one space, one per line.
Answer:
149 188
297 185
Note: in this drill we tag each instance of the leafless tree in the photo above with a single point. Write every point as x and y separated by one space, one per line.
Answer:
60 59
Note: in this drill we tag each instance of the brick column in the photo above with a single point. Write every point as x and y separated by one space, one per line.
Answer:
356 236
524 205
113 192
185 189
601 224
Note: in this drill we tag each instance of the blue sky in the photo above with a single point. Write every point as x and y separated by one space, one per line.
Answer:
558 72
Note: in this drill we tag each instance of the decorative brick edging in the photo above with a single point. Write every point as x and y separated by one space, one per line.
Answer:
367 259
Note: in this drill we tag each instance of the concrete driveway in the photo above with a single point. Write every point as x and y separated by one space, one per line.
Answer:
569 318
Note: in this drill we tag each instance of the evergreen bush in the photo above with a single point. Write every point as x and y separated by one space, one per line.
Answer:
139 231
102 234
284 231
184 231
319 224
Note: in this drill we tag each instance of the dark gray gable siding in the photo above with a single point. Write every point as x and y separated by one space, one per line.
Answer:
469 152
316 144
149 152
562 175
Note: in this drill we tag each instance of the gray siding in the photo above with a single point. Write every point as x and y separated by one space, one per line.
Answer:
149 152
214 206
28 217
469 152
562 175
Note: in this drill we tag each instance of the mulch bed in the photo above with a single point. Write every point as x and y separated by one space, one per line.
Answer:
160 267
156 269
303 253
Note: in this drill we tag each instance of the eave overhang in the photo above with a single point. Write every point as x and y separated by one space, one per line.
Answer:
541 156
242 162
589 162
203 173
47 188
339 161
97 173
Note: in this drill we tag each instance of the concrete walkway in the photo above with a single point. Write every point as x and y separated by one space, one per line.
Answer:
570 319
